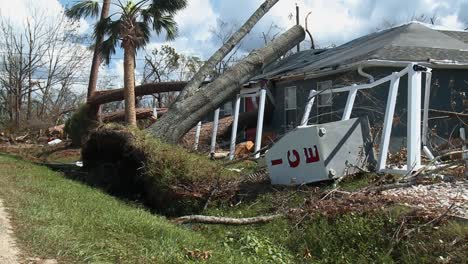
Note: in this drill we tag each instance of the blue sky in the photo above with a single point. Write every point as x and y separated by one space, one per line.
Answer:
331 21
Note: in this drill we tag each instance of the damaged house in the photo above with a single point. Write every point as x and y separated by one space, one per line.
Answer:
363 60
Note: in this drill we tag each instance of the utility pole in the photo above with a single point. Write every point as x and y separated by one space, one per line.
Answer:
297 23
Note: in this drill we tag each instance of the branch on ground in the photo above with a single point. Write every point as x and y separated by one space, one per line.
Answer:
204 219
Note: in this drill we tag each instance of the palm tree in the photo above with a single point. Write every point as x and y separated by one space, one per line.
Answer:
131 26
91 9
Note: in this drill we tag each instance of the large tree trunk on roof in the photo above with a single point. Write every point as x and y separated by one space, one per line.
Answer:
219 55
187 111
93 77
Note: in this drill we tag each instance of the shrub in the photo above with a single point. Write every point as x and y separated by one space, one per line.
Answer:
78 125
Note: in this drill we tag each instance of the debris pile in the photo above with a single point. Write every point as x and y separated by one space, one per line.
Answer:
435 196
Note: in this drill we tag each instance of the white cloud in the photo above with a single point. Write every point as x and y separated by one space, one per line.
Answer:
18 11
197 20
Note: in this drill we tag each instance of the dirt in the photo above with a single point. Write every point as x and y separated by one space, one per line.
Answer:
8 250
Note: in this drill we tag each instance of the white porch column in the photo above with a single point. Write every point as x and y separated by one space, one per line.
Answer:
197 135
427 96
310 103
388 120
349 103
413 161
215 131
261 113
232 147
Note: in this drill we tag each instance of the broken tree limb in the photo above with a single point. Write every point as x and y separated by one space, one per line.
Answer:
186 112
204 219
107 96
227 47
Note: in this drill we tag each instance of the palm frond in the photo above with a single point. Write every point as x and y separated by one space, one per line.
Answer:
168 24
168 6
109 29
144 34
83 9
107 48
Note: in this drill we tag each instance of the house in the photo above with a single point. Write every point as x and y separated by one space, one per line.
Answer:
365 60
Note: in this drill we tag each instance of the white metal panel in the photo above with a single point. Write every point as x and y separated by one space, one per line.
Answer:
297 158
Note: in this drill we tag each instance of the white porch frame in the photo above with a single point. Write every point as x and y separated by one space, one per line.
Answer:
416 139
249 93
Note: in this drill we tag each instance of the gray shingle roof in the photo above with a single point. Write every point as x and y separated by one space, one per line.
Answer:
409 42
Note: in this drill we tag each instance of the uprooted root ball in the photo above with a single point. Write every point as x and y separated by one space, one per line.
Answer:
165 177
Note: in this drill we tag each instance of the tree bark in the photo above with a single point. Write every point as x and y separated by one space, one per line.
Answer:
141 113
129 84
107 96
93 77
187 111
219 55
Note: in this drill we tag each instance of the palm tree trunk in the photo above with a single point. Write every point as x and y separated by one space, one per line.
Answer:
188 111
129 84
93 77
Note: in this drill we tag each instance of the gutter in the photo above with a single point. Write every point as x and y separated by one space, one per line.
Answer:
366 75
434 64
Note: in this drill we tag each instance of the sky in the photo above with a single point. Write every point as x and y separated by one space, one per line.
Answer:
332 22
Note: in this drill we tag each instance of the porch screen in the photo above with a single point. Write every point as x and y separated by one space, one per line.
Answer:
324 99
290 108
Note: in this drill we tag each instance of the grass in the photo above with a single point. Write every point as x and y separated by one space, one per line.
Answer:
59 218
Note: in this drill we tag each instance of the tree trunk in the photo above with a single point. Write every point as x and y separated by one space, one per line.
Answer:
107 96
28 113
93 77
129 84
141 113
187 111
219 55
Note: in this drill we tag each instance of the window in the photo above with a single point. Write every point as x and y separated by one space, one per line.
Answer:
290 107
324 99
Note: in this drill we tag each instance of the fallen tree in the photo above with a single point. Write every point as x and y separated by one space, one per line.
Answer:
132 164
187 111
102 97
141 113
107 96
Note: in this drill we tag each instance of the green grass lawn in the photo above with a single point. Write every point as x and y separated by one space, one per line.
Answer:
55 217
58 218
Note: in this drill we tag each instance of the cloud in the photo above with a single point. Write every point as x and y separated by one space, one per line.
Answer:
331 21
18 11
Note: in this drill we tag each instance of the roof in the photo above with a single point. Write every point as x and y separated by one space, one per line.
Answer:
414 42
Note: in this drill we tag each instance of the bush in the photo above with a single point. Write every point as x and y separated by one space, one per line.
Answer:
78 125
165 177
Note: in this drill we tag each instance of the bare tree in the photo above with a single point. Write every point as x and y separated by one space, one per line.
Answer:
41 63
